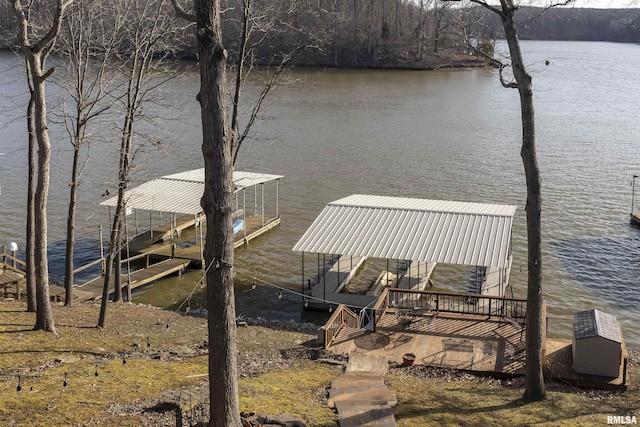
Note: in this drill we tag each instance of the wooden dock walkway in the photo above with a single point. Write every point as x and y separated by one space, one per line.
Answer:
172 258
92 290
322 298
187 248
254 226
326 293
417 276
163 232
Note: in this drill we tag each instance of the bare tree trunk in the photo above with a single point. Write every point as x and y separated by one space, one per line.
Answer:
87 45
35 54
534 380
31 215
71 220
44 315
437 19
111 255
146 26
355 24
217 203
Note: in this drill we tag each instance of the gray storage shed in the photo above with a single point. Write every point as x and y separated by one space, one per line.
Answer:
597 344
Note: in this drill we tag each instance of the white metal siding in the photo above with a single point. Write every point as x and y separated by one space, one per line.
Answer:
412 229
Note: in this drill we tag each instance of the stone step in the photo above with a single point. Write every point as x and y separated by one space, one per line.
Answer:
357 380
366 416
379 397
335 392
361 362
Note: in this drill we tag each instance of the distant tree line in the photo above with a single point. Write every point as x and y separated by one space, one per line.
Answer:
391 33
355 33
612 25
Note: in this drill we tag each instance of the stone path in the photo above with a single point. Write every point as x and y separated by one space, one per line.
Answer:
360 396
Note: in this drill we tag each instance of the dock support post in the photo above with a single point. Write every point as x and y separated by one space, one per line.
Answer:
338 276
171 230
277 198
101 247
302 280
126 236
118 272
324 281
633 191
201 246
262 202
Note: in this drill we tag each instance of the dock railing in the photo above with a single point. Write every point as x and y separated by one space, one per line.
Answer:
100 261
372 313
454 302
147 255
11 262
343 316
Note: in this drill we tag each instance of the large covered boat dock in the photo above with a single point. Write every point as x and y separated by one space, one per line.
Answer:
415 234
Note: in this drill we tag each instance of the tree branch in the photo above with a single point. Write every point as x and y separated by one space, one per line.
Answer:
488 6
46 41
181 13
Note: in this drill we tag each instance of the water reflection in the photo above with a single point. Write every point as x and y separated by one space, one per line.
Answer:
608 265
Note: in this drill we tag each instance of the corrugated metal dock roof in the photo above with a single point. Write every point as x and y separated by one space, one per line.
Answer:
240 178
181 192
413 229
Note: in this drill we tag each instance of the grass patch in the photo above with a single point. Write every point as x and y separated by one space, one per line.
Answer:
486 402
44 400
276 376
298 391
165 354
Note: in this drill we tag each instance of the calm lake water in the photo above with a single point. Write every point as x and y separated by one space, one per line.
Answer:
442 135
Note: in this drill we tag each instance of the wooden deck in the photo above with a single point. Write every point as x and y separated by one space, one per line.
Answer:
92 290
458 341
12 275
493 345
11 282
559 362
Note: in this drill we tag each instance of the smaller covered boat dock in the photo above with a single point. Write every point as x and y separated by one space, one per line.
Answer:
168 224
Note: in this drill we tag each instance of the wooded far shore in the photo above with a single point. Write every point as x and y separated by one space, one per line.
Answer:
392 34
